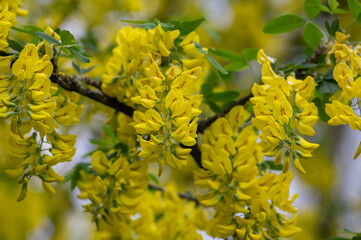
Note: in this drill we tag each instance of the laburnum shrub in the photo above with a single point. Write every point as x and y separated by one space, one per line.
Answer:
160 112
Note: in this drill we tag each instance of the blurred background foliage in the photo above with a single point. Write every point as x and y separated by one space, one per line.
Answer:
330 192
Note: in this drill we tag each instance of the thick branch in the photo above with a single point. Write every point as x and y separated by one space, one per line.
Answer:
181 195
72 84
203 124
91 82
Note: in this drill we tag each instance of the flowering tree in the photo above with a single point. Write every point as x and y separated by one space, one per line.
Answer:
157 92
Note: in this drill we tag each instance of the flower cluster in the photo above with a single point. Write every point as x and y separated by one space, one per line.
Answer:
162 215
247 200
346 73
283 110
149 72
9 9
32 103
114 191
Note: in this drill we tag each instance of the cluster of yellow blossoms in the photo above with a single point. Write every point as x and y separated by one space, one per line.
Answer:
32 103
115 183
282 107
159 79
347 99
115 191
9 10
162 215
246 198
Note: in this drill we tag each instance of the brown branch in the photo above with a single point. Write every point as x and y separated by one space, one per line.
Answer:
72 84
196 154
186 196
203 124
91 82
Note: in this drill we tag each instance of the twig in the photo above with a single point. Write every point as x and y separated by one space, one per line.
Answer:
91 82
203 124
196 154
72 84
186 196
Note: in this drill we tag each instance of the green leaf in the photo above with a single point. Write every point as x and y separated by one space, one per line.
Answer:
15 45
339 11
77 68
312 8
206 89
48 38
320 104
23 31
186 27
100 142
74 175
216 64
213 62
213 106
57 92
76 51
67 38
35 40
272 166
226 96
308 52
236 66
355 8
284 24
199 47
153 178
328 87
333 58
250 53
312 35
333 4
226 55
335 26
148 25
33 28
122 147
110 133
324 8
190 26
88 69
164 25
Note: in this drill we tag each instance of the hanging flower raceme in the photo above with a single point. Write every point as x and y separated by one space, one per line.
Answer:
283 110
162 215
246 200
32 103
114 191
345 104
159 79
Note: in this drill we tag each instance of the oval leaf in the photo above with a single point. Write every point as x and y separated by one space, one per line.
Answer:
236 66
312 35
48 38
283 24
312 8
250 53
355 8
67 38
333 4
226 96
226 55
